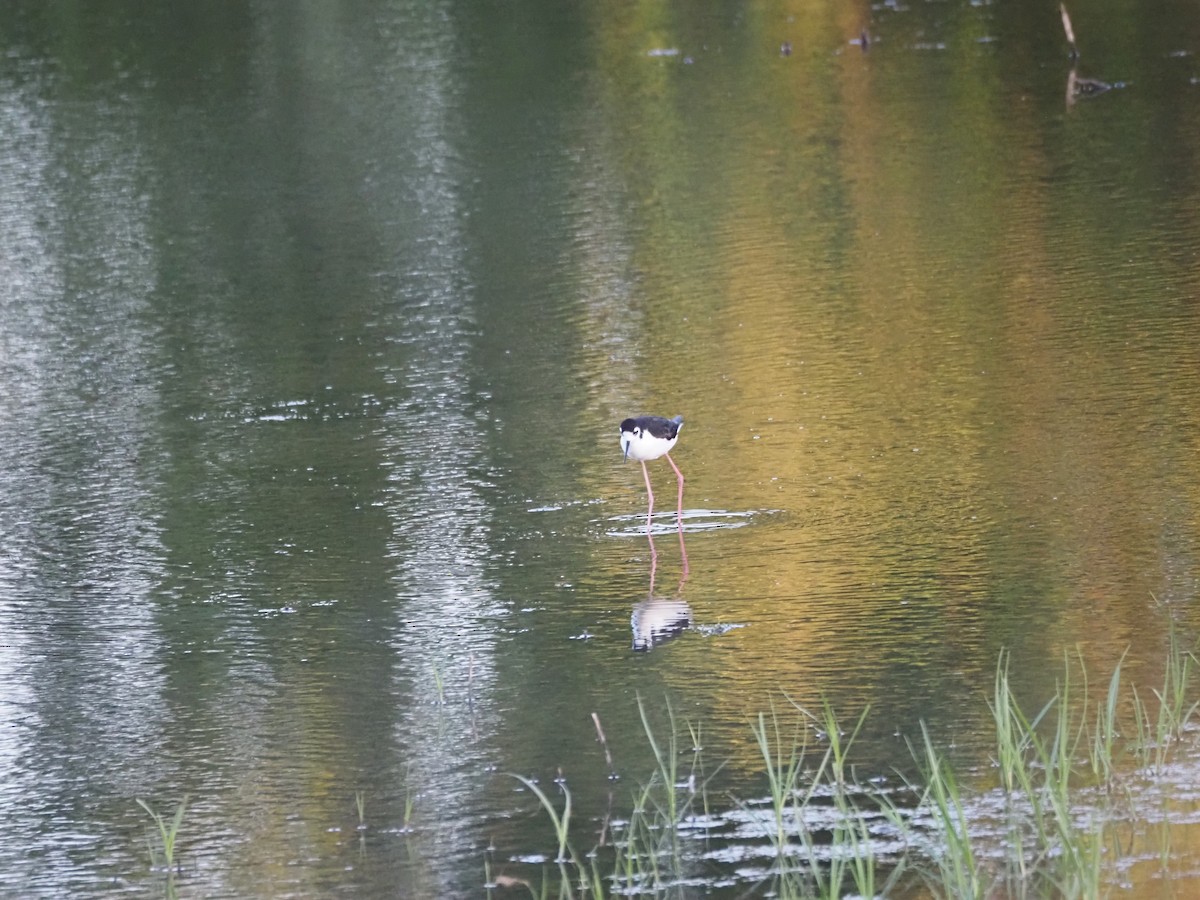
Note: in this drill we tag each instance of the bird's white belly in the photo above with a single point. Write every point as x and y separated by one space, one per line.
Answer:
645 446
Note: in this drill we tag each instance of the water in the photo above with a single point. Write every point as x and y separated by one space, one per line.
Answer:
316 325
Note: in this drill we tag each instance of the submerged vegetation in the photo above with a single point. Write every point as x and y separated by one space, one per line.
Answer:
1074 795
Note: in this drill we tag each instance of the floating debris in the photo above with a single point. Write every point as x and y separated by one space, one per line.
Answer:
1086 87
718 628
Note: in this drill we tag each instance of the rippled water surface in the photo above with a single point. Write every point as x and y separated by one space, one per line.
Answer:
316 325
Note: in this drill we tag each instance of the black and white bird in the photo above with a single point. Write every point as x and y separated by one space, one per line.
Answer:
649 437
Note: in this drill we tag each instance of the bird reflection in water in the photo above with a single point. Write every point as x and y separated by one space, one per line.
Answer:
657 620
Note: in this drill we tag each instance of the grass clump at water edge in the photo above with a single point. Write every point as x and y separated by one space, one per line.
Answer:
1048 821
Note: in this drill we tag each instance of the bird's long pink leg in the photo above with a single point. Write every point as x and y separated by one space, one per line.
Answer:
678 475
679 515
650 494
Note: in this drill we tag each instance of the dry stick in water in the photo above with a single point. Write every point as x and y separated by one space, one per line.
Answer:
611 776
604 743
1066 20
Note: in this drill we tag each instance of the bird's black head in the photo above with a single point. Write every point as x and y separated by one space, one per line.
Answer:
628 425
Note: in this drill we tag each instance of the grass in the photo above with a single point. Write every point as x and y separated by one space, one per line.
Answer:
439 686
783 756
410 800
1103 746
646 853
957 869
560 821
168 832
360 806
1051 817
1159 726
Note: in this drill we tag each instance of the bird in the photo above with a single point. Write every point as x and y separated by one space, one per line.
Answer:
648 437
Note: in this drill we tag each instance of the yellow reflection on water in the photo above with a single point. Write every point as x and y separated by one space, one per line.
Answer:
960 388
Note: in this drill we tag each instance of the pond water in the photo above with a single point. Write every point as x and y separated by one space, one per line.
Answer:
317 322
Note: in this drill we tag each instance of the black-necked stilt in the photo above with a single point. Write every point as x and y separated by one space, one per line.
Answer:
649 437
